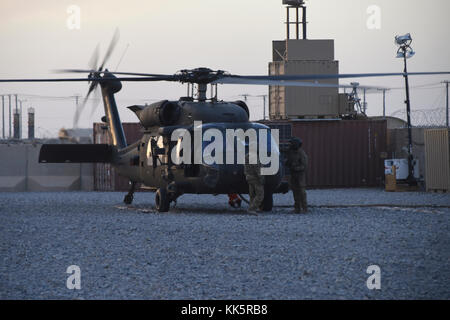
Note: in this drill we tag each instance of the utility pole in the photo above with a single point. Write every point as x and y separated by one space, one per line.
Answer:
264 105
384 101
245 96
20 120
446 107
264 96
17 110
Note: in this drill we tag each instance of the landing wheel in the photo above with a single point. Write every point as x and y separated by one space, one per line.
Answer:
128 199
267 204
130 196
162 201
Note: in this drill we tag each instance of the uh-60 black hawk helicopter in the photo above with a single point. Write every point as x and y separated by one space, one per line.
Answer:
149 161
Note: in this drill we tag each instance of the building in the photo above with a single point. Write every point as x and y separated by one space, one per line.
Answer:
305 57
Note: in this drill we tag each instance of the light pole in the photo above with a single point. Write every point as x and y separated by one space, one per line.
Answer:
405 52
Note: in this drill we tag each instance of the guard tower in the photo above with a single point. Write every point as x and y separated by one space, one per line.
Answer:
304 56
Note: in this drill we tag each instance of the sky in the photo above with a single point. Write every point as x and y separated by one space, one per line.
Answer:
161 36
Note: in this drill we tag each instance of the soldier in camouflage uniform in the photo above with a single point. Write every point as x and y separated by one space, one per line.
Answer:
297 162
255 184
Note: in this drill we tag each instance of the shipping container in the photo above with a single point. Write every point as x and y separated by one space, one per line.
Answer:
342 153
105 177
299 49
296 102
305 57
437 158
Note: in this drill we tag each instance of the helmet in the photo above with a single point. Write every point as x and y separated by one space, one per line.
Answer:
296 143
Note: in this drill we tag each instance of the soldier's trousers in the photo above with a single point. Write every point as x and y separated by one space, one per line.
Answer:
256 193
299 191
300 198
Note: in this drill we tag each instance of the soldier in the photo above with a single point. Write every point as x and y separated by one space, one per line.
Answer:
297 162
255 181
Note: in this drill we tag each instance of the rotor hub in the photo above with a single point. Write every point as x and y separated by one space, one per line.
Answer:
200 75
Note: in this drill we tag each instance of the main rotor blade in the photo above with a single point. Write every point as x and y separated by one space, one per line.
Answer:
113 72
80 108
52 80
75 71
111 47
231 78
286 83
94 59
95 79
96 100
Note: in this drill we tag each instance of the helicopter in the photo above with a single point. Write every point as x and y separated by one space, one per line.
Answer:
150 160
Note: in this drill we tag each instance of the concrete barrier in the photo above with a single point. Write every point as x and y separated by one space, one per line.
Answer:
21 171
13 168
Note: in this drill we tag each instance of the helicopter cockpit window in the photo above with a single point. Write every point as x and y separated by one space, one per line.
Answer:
149 152
154 143
179 150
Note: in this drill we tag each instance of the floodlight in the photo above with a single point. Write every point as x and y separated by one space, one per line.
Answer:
410 54
402 40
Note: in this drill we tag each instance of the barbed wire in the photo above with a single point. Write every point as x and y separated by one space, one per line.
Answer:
424 117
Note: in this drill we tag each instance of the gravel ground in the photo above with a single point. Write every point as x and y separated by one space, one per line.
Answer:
204 250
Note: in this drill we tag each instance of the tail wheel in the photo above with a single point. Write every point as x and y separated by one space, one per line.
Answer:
162 200
128 199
